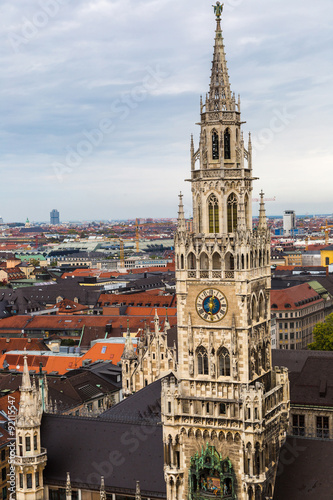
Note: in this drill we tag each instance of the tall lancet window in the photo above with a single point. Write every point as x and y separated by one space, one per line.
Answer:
227 147
215 146
246 207
213 214
232 213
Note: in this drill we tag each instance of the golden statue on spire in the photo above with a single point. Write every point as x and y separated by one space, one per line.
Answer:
218 9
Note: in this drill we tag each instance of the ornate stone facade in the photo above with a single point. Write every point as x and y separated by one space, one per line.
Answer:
30 458
224 398
156 357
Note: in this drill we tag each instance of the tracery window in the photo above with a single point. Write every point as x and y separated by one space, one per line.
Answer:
202 359
215 146
191 261
227 148
224 362
213 213
232 212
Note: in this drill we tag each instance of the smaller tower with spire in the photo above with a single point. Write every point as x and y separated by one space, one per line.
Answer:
129 361
30 459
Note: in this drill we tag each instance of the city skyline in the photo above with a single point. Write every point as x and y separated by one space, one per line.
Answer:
97 103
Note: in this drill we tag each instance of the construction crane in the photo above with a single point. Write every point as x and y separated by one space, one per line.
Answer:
137 236
327 232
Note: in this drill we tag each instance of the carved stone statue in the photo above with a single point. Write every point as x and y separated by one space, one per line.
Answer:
235 367
253 365
268 356
212 367
191 366
218 9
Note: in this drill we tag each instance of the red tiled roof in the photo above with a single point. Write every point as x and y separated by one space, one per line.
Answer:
19 344
294 297
100 351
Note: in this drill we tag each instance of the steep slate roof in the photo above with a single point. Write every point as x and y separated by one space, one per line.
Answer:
310 374
88 448
305 470
144 406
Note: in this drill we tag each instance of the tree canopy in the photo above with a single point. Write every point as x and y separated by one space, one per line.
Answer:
323 335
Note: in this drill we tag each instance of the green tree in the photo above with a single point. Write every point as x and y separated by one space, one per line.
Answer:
323 335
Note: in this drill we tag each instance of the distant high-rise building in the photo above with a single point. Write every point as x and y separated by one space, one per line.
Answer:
54 217
289 223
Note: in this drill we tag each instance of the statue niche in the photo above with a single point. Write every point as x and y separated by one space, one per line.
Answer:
210 476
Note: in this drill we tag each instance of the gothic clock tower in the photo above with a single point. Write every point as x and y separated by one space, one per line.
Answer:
225 411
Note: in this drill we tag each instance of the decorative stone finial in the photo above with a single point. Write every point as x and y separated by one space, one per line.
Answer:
68 487
138 491
102 493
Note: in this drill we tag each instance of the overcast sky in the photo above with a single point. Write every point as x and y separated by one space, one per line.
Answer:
99 98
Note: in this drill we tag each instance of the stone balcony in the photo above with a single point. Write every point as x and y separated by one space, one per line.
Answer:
32 460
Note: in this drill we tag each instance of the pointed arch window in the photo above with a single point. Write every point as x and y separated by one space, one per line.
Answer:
191 261
215 146
202 359
216 261
232 213
227 145
224 362
213 214
246 206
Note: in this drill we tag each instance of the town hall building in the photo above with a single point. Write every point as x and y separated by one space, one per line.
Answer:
205 413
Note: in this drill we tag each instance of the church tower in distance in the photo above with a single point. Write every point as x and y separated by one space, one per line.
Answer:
225 412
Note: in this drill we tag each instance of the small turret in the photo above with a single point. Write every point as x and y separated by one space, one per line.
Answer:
250 152
129 352
166 324
262 226
192 153
138 491
156 323
102 493
68 487
181 226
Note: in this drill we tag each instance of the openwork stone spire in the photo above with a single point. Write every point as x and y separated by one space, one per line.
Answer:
102 493
181 216
262 226
129 352
220 97
138 491
26 382
68 487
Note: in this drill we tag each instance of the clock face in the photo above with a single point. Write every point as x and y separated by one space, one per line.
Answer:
211 305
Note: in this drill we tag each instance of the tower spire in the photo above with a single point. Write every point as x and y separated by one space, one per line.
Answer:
138 491
102 493
68 487
262 226
26 382
129 352
181 216
220 97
